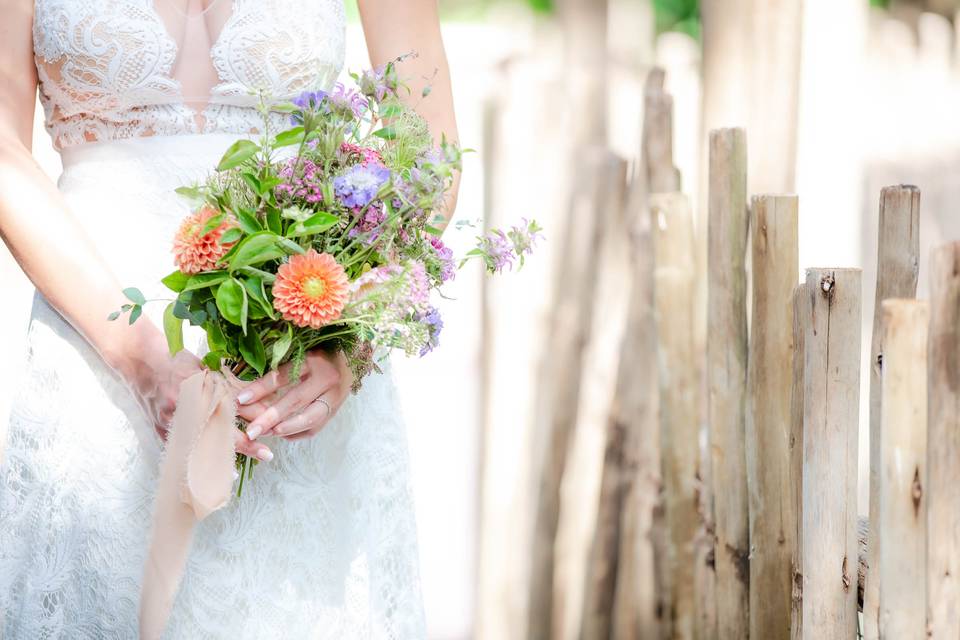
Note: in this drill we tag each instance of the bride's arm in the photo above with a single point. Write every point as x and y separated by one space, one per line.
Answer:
393 28
54 250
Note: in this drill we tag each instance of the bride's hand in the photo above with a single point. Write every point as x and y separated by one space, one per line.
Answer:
275 406
156 386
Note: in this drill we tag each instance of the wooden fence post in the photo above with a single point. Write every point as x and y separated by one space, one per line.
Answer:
674 295
902 519
591 209
801 319
943 456
620 597
727 375
897 268
772 516
831 400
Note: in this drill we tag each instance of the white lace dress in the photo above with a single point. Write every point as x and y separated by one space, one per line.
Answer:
143 96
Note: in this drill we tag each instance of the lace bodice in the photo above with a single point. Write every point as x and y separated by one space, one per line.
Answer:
112 69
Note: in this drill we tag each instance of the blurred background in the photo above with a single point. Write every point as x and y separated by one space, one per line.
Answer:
839 97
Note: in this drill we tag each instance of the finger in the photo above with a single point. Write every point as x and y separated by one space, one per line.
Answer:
311 418
264 386
295 400
303 435
246 446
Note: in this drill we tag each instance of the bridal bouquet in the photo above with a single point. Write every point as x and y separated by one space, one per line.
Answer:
322 235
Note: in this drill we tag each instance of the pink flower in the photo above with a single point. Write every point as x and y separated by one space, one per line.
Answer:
194 251
311 289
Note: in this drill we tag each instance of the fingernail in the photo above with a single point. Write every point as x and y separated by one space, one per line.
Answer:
265 455
244 397
253 432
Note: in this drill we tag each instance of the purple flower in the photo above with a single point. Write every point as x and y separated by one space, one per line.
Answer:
373 83
444 258
307 101
348 100
497 251
369 224
434 323
524 237
359 185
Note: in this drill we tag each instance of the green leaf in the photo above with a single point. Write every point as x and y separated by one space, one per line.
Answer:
248 221
280 348
215 338
135 313
267 185
232 302
427 89
433 231
193 193
256 249
204 280
231 235
113 316
176 281
255 291
212 224
291 246
313 225
273 220
251 348
238 153
390 111
212 360
134 295
288 138
251 181
263 275
387 133
173 329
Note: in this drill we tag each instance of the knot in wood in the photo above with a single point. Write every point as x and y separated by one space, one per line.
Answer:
826 285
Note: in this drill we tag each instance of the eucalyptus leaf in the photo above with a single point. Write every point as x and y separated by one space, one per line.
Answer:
238 153
135 313
173 329
134 295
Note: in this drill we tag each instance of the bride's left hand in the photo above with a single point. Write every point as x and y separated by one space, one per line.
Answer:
274 406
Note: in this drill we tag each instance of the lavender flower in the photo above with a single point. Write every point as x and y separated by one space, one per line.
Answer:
359 185
434 324
443 266
347 100
497 251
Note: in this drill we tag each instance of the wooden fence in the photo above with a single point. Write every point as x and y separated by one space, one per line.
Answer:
756 534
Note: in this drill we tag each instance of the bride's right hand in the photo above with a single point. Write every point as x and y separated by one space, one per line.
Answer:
155 380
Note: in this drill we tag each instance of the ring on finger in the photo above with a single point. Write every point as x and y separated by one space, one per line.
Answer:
326 404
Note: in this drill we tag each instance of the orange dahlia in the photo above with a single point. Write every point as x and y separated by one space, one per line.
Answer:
195 251
311 289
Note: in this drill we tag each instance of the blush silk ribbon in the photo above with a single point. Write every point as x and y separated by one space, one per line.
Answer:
196 479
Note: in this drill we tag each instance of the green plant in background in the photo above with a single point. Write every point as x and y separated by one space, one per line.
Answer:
677 15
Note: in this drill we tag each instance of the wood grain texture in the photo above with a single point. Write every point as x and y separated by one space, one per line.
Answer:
800 320
657 137
727 376
591 210
621 595
898 260
943 454
679 425
772 511
902 516
830 423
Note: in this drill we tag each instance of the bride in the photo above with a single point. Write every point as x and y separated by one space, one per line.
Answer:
142 96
